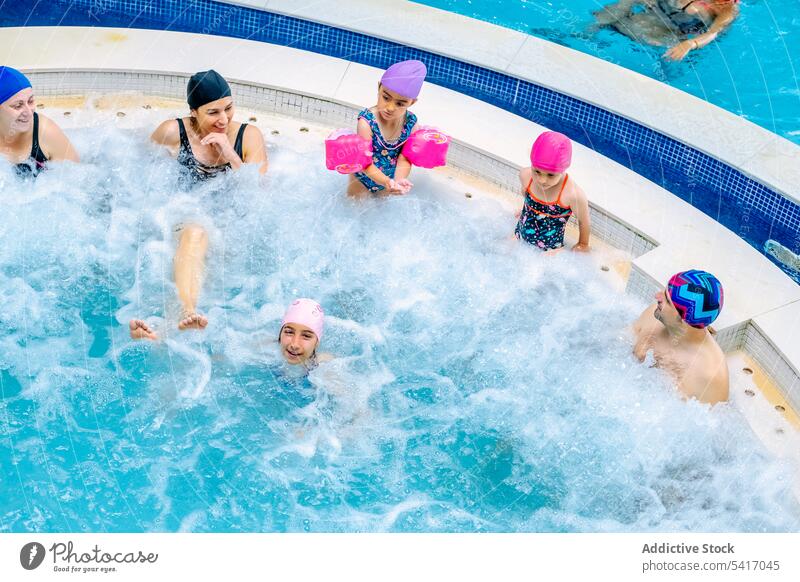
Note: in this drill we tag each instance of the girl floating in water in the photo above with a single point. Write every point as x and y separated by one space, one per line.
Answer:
663 22
299 336
28 140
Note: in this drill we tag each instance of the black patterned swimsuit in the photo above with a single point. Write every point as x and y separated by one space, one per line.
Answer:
542 223
198 171
35 162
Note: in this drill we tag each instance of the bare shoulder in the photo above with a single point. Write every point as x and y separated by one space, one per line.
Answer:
48 128
324 357
252 135
574 194
167 133
708 376
525 175
363 129
54 142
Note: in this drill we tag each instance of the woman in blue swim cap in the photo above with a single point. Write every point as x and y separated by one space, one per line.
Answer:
28 140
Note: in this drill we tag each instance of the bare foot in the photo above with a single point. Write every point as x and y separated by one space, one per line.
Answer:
193 321
140 330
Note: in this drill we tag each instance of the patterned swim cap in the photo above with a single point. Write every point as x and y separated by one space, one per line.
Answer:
697 295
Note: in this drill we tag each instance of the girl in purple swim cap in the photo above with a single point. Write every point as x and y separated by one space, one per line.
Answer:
551 198
388 124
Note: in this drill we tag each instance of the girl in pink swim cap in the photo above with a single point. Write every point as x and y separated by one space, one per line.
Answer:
551 197
388 125
301 332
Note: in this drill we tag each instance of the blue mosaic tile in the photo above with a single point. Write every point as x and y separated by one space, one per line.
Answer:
748 208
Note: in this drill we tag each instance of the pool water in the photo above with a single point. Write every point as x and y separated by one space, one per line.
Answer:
478 385
752 70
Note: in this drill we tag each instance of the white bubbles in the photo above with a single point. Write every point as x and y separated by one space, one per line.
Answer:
478 384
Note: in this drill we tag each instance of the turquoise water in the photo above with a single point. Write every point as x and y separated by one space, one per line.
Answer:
477 385
752 70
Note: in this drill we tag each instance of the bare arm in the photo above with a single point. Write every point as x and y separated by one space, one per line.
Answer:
254 149
167 135
525 175
580 206
725 16
54 143
372 171
403 168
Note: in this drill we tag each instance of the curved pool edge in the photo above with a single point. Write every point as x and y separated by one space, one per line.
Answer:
762 300
761 154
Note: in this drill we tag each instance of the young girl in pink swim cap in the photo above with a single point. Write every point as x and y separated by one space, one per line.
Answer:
301 332
551 197
388 125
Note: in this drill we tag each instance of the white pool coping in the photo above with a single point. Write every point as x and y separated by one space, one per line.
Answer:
766 157
756 290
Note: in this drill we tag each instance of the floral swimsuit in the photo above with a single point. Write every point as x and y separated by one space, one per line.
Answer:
384 153
542 223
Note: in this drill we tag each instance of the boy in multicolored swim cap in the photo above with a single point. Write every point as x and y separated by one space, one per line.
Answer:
388 125
676 330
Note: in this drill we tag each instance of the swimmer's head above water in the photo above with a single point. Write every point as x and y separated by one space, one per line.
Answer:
16 101
301 331
693 297
551 156
209 97
399 88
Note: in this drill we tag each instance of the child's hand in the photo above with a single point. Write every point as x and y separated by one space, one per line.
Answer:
581 248
399 186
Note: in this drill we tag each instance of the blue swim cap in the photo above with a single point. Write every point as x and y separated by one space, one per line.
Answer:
11 83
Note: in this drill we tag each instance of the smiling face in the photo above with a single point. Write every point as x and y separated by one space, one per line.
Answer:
214 117
298 343
391 105
16 113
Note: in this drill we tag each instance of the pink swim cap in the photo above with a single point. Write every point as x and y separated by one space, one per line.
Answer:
305 312
405 78
551 152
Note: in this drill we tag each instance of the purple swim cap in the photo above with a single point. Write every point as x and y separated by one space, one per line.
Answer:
11 83
551 152
405 78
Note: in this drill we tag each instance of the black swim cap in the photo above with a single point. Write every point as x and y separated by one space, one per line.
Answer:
205 87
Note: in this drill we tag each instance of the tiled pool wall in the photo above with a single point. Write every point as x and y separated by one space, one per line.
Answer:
748 208
76 82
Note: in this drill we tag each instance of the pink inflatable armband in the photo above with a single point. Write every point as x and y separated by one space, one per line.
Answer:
347 152
427 147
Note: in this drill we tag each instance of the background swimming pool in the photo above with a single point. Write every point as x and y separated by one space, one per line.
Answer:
751 71
479 385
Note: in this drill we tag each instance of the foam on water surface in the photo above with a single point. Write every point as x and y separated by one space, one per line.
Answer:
477 386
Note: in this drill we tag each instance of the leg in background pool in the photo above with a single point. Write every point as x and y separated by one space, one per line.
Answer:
189 269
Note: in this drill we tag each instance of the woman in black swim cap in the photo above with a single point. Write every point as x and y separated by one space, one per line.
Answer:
209 142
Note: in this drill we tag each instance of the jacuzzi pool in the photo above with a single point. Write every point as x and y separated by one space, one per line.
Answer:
477 385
